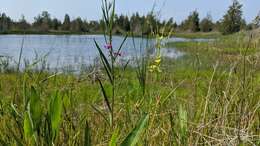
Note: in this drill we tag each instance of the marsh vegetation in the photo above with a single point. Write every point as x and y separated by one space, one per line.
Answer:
210 95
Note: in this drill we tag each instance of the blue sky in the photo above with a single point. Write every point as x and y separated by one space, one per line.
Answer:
90 9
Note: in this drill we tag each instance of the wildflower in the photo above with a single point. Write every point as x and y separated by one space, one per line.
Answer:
158 60
161 38
152 68
108 46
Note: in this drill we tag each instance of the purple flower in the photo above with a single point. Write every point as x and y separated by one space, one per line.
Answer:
117 54
108 46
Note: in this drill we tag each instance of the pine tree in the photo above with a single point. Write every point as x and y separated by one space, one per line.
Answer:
206 24
66 22
232 21
256 22
194 21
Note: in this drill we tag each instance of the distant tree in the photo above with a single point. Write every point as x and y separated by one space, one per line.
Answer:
94 26
85 26
126 24
5 22
23 24
256 21
77 25
66 22
191 23
169 25
43 21
184 25
232 21
56 24
136 23
194 21
175 25
206 24
217 26
149 23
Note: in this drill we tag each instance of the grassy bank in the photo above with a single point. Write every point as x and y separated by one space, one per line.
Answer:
199 35
232 44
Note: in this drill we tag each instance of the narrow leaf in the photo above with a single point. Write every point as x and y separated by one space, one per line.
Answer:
104 62
105 96
114 138
135 135
87 136
27 126
55 113
35 107
121 45
102 55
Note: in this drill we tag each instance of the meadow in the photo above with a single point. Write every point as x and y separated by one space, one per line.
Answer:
208 96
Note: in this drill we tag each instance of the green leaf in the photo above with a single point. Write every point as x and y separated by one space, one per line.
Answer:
183 124
87 137
135 135
112 16
55 113
104 62
27 126
114 138
35 107
105 96
121 45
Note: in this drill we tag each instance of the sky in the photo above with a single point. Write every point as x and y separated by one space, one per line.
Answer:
90 9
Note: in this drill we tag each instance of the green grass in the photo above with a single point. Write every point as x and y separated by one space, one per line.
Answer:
227 45
197 35
209 96
211 100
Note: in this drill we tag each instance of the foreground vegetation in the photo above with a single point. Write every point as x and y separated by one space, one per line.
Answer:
209 96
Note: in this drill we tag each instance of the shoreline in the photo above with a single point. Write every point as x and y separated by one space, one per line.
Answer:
177 34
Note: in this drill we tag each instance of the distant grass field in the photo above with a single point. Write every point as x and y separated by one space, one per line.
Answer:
197 35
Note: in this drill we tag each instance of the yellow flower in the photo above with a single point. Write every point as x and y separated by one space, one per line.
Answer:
160 38
158 60
153 66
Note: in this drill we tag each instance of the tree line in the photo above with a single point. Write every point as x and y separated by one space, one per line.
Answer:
44 23
231 22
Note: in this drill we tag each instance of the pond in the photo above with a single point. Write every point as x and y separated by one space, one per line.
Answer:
61 51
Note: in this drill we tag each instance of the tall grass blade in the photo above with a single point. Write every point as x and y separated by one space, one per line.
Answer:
104 62
183 120
121 46
35 107
27 126
20 55
55 114
135 134
87 135
105 96
114 138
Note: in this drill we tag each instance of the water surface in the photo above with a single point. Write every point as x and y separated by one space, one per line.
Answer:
71 50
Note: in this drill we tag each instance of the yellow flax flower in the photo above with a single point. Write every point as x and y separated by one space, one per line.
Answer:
158 60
